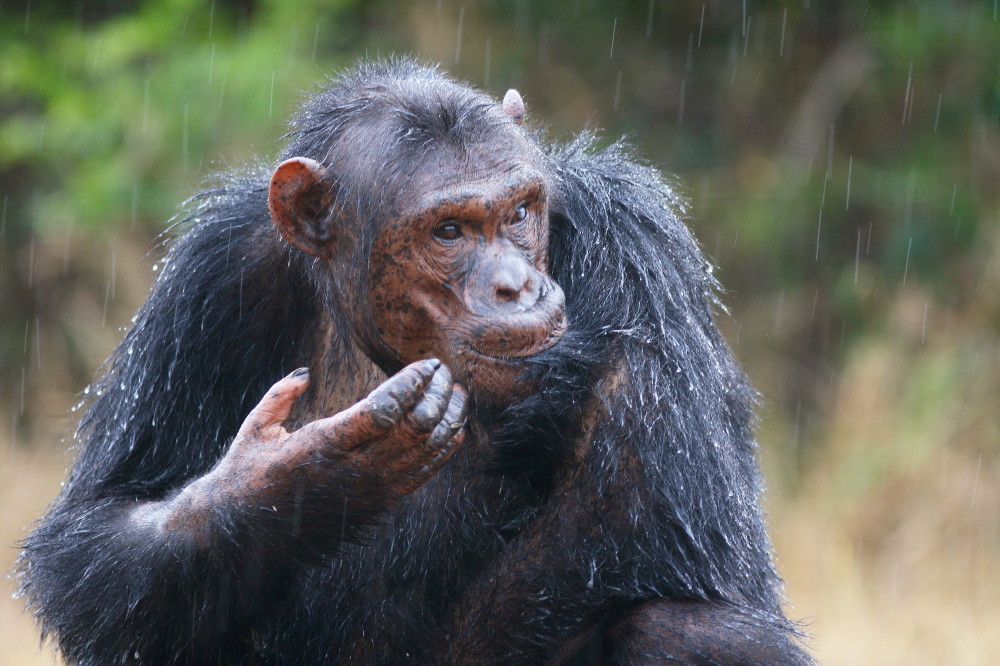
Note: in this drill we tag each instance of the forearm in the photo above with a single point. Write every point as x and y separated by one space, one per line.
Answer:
116 590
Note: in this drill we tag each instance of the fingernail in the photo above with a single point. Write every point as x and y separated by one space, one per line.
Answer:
301 372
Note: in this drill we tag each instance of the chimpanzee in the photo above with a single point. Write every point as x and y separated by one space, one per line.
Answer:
514 432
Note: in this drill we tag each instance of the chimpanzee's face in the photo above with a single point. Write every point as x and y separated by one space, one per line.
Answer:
461 274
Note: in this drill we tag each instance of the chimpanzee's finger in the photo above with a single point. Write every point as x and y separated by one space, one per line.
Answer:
449 435
429 409
387 403
382 409
450 425
437 449
275 407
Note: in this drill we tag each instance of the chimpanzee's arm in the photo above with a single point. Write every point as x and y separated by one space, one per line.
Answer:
157 552
576 588
657 495
186 578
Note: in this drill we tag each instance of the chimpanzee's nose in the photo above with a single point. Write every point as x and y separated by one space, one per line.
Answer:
514 283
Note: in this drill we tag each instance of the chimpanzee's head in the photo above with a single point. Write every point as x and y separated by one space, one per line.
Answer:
428 201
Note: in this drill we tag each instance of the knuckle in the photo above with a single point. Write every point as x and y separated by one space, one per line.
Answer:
428 411
385 411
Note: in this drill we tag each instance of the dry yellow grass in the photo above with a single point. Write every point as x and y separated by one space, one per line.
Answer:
890 544
28 481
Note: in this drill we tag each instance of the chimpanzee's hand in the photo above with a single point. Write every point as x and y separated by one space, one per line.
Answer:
396 438
339 471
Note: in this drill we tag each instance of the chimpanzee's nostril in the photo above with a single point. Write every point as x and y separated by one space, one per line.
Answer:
506 292
513 281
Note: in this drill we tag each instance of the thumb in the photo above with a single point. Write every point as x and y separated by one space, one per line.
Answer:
277 404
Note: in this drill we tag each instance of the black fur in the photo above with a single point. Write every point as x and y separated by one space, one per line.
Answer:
524 541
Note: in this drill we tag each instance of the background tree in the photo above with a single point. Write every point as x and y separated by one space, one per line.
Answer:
843 166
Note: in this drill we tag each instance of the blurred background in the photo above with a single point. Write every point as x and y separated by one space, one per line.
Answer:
842 160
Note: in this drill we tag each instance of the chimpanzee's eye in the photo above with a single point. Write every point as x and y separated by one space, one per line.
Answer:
448 230
520 214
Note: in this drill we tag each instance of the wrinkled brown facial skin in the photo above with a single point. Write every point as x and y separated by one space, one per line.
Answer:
462 276
459 274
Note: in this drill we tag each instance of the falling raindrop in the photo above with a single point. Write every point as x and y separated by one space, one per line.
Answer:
104 312
923 329
746 32
784 21
906 266
779 310
487 61
680 102
906 96
38 343
831 136
458 34
135 205
819 227
31 262
850 167
911 189
270 101
114 271
701 24
857 257
975 485
145 107
97 55
211 59
184 131
614 29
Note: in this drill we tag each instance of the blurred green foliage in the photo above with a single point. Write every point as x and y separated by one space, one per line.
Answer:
842 160
113 114
836 154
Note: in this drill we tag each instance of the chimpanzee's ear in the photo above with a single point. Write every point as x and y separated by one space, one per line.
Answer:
299 200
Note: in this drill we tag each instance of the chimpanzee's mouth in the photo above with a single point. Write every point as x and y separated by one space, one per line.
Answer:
512 337
516 354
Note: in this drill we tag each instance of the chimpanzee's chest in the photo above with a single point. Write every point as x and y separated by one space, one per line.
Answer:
387 598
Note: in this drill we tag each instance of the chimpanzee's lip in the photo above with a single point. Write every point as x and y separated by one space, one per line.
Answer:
509 337
516 355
